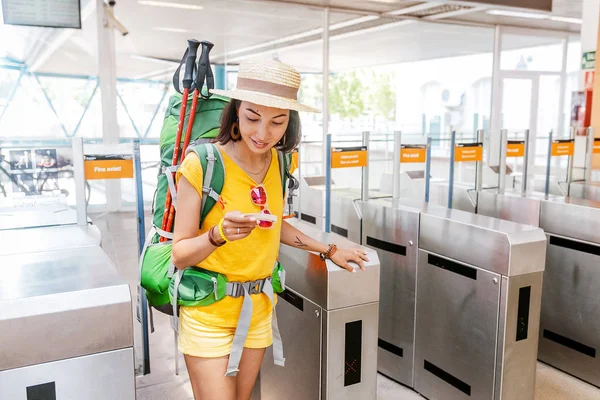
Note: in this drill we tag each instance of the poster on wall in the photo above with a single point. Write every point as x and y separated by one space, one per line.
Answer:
578 112
21 160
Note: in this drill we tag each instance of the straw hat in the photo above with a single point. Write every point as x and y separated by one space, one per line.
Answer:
269 83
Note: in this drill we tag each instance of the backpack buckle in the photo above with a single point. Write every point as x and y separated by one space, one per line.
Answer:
256 287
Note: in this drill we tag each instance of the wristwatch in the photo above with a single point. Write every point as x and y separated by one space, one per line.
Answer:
329 253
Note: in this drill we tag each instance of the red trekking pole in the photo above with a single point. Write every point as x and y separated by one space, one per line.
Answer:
190 61
202 72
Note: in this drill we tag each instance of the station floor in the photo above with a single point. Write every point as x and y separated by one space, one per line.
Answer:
119 240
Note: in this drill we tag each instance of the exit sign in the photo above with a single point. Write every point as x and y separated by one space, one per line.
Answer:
588 60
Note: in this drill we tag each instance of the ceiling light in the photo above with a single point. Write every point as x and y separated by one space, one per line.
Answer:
171 5
517 14
175 30
566 19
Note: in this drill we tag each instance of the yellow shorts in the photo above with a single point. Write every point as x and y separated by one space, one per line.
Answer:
200 339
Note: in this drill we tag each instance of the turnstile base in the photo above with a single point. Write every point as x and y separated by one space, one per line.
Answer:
100 376
570 319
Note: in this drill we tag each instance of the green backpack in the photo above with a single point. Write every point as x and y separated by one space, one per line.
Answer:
206 127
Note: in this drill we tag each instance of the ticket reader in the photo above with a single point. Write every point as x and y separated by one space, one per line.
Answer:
328 322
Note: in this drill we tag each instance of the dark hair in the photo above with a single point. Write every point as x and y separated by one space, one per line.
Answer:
288 142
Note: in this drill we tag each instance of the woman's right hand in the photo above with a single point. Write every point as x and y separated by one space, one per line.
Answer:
236 226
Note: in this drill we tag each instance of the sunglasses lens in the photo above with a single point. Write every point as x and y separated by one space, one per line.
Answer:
259 196
265 224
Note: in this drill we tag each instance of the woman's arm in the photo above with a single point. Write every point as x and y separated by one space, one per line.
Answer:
189 248
295 238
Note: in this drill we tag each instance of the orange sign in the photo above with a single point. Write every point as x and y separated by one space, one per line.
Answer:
413 154
106 168
348 157
563 148
468 152
515 148
596 146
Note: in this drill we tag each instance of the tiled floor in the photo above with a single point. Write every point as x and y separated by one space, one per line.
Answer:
119 240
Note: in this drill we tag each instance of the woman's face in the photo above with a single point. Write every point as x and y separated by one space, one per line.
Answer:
261 127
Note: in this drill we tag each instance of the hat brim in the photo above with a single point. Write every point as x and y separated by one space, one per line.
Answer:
266 100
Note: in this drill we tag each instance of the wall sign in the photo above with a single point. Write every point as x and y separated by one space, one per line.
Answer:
515 148
44 13
468 152
413 153
588 60
346 157
108 167
540 5
564 147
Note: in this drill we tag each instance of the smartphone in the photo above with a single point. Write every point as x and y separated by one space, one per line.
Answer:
262 217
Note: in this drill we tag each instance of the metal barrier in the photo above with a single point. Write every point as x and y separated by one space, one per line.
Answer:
392 229
66 324
478 301
569 318
328 322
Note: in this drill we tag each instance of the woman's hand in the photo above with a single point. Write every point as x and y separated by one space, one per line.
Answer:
236 226
342 256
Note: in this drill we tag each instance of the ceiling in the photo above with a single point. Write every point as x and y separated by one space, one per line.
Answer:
363 33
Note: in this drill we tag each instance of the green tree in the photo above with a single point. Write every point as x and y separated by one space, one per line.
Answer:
382 95
347 95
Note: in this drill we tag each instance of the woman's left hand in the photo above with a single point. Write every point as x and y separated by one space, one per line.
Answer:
342 256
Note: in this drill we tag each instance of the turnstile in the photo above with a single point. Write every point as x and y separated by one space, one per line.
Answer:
585 190
570 325
570 319
49 238
392 228
43 215
328 322
67 327
479 285
344 216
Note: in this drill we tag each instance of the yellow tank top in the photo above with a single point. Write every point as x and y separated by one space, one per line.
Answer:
243 260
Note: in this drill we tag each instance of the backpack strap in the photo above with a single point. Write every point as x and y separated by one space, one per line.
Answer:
213 178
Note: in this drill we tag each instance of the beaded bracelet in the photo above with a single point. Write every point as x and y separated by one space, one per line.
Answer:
212 240
221 232
330 252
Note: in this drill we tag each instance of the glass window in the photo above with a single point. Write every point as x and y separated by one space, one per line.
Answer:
531 53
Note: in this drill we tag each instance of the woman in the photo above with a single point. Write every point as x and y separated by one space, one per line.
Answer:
262 117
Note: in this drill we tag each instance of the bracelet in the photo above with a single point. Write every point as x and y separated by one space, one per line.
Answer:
329 253
221 233
212 240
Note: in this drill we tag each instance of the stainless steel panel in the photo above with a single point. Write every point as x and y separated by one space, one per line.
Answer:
61 304
463 196
509 207
517 360
323 282
570 217
300 379
334 368
312 198
345 216
37 216
100 376
499 246
47 239
456 331
399 226
570 309
586 190
500 343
